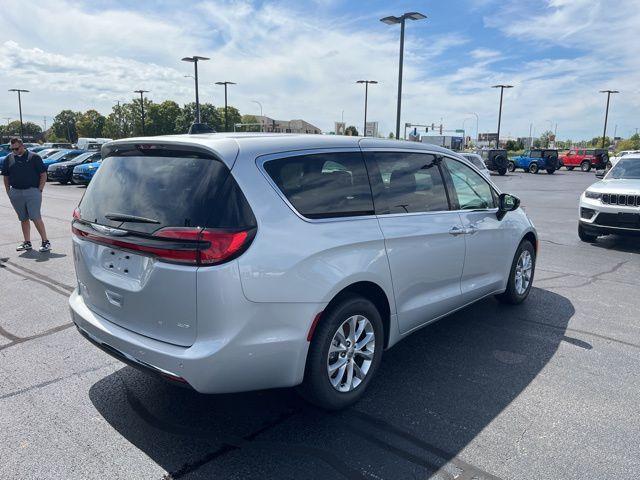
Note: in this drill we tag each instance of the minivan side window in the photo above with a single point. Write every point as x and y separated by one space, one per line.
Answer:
470 189
324 185
405 182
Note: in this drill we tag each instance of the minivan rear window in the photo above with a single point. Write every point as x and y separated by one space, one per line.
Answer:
324 185
175 192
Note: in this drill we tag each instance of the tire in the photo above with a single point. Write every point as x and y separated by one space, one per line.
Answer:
584 236
317 386
551 171
63 182
517 292
533 167
609 166
570 168
585 166
502 171
511 167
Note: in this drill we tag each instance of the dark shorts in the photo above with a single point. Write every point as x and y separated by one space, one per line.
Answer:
26 203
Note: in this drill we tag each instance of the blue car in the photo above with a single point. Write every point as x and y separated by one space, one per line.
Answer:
62 156
534 160
82 174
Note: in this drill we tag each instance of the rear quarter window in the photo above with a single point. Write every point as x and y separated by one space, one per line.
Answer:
324 185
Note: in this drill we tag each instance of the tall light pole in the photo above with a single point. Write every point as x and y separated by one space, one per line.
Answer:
477 126
19 90
226 116
501 87
195 59
401 20
366 96
260 105
606 114
142 92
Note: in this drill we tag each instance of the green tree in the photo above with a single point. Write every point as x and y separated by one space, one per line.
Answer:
391 135
545 139
31 130
64 125
162 118
351 130
90 124
234 117
631 143
597 142
208 114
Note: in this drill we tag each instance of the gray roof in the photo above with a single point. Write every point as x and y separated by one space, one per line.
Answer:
228 145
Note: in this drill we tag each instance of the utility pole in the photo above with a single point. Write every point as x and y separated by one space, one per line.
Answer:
226 115
366 95
195 59
391 20
501 87
606 114
19 90
142 92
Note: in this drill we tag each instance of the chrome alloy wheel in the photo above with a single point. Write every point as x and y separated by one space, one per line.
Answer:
524 271
351 353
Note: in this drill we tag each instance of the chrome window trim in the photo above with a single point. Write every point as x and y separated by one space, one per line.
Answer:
262 159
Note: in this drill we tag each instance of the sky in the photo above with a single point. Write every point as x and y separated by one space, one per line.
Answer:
301 59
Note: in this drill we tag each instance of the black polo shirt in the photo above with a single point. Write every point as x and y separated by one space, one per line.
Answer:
23 170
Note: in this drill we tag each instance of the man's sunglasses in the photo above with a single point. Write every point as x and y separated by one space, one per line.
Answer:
15 149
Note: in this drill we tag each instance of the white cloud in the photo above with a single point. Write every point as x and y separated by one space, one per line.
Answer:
305 66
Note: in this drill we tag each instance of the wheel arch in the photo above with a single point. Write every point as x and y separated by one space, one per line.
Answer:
372 292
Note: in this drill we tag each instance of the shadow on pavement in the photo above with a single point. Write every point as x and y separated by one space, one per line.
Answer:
41 257
619 243
434 393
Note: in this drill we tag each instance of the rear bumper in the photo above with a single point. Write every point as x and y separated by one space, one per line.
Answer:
263 345
81 178
57 175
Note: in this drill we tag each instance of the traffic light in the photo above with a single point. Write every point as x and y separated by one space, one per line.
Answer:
433 127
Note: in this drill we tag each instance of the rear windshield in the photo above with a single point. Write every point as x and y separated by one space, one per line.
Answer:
176 192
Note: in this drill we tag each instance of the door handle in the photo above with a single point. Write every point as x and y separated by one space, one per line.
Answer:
471 229
456 230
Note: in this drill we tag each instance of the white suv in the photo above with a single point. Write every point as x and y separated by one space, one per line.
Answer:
612 205
241 262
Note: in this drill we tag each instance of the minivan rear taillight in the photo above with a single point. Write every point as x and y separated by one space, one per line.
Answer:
191 246
221 245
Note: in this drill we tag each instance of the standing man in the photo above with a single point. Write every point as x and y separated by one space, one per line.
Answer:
24 179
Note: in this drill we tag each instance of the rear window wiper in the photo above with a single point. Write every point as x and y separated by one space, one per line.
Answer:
123 217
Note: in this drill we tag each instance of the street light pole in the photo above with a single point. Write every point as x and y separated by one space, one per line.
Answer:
501 87
226 116
606 114
391 20
366 95
142 92
260 105
19 90
195 60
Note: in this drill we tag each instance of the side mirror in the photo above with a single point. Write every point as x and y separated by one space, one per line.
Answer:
600 173
506 203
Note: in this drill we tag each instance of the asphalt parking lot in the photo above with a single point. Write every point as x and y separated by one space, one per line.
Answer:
545 390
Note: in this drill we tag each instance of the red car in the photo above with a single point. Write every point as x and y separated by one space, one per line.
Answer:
585 158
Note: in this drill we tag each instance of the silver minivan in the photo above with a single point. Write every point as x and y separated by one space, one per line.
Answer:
235 262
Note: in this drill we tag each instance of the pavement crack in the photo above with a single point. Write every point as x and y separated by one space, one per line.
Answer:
51 331
28 274
50 382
